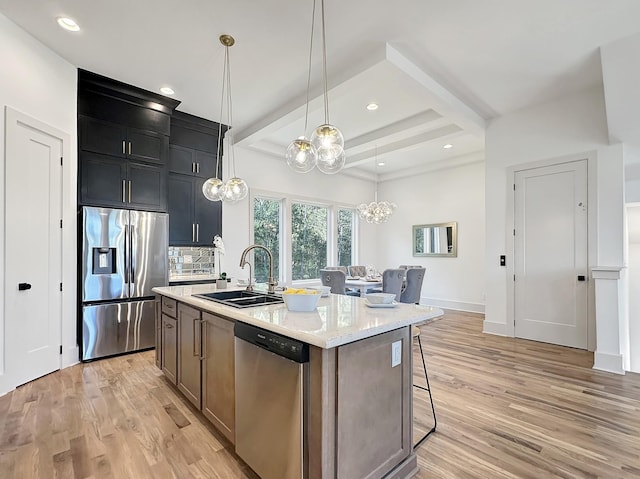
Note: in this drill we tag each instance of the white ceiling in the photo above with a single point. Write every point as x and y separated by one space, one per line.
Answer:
440 69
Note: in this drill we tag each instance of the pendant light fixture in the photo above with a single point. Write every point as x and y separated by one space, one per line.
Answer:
376 212
234 189
325 149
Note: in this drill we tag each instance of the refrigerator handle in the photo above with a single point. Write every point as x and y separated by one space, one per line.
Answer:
126 255
133 259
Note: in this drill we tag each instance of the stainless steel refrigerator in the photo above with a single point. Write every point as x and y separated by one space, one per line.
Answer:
124 255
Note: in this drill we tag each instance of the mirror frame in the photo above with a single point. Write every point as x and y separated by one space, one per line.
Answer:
454 239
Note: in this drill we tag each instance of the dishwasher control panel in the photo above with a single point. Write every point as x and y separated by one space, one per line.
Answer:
281 345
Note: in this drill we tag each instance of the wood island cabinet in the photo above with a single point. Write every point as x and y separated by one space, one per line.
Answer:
189 353
196 352
218 370
167 341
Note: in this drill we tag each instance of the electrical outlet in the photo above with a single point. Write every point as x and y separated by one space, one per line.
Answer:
396 353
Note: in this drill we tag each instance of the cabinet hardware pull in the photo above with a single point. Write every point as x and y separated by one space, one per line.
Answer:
195 353
193 167
193 232
129 148
203 339
197 167
123 152
169 326
124 189
197 232
129 191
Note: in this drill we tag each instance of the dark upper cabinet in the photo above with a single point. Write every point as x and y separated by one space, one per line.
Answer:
123 144
189 161
98 136
114 182
193 220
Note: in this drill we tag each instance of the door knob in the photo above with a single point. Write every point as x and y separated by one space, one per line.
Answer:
23 286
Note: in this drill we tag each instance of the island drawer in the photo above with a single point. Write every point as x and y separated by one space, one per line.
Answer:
169 306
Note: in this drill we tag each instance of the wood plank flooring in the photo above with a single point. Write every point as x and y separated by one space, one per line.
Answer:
506 409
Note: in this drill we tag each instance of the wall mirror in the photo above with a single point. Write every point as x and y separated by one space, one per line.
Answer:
436 240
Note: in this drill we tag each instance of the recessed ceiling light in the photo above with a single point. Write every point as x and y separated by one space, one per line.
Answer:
447 146
381 163
372 106
68 24
165 90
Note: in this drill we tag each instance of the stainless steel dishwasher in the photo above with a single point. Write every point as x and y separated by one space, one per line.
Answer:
272 376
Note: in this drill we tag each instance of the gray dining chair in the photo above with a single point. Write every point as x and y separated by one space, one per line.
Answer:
360 271
335 278
392 280
338 268
413 286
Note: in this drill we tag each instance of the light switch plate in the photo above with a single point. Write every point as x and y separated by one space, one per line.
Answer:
396 353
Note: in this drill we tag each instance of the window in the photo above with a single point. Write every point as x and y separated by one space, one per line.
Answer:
304 235
266 232
346 220
309 224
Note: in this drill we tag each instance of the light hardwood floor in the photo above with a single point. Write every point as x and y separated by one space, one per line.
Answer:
506 409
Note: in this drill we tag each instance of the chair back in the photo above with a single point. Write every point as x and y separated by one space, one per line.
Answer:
392 282
358 271
413 287
333 278
337 268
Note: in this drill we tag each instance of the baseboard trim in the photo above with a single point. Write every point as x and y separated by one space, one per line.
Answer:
611 363
451 304
70 356
490 327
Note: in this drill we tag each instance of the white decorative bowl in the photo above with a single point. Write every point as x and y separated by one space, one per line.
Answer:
301 302
380 298
324 290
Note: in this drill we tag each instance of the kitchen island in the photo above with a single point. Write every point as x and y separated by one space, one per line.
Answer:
357 402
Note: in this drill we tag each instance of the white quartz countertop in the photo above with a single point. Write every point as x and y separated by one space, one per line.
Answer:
338 319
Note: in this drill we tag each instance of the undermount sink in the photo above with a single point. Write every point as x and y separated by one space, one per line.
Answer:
242 298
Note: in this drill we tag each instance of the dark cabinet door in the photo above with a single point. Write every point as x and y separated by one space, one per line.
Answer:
146 145
102 137
103 180
146 187
206 165
207 216
181 223
182 160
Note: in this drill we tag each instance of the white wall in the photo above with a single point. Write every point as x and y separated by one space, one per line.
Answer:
452 194
265 173
571 127
41 84
633 284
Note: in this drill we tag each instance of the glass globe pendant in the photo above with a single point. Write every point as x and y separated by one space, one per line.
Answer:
212 189
234 190
301 155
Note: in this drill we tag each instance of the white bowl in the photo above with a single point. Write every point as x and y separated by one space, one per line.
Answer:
324 290
380 298
301 302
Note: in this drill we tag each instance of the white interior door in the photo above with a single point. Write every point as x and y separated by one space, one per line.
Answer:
550 254
33 248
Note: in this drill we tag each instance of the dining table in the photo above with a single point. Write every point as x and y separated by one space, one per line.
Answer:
363 284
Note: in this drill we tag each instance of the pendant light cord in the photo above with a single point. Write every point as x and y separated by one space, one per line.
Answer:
220 126
324 67
232 156
306 111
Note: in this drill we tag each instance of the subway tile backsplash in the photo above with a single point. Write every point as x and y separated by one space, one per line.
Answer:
190 261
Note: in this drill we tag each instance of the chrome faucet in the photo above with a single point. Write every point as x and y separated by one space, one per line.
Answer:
272 282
